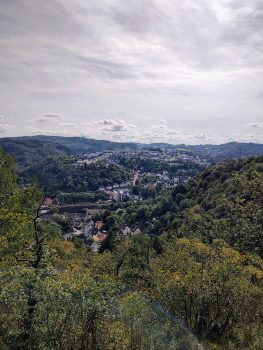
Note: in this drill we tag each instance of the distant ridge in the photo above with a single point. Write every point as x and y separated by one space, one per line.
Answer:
32 149
230 150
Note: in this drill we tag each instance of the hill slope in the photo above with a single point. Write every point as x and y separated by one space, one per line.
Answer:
230 150
29 150
223 202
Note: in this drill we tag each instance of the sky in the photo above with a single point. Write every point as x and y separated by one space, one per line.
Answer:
177 71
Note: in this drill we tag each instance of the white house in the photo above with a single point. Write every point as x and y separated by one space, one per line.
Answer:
71 233
126 231
95 247
136 232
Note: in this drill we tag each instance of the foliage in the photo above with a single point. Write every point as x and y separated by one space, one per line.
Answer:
181 167
29 150
64 175
200 262
223 202
212 288
16 211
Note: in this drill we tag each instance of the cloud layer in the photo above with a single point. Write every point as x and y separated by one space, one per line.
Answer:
50 117
129 66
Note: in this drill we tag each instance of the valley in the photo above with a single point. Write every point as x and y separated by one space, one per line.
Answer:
154 231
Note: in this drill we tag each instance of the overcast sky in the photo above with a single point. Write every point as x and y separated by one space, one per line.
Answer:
137 70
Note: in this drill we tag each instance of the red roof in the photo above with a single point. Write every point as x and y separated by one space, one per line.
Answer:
48 201
99 237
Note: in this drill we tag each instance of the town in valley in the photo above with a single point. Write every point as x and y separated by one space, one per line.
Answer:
149 172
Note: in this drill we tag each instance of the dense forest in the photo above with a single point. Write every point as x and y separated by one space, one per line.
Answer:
63 174
200 261
181 167
29 150
222 202
226 151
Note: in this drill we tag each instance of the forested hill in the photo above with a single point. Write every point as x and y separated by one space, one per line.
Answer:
28 150
62 174
226 151
223 202
205 270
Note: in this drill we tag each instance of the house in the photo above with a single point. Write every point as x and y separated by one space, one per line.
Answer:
72 232
48 202
117 195
88 229
99 225
95 241
44 211
126 231
99 237
136 232
95 247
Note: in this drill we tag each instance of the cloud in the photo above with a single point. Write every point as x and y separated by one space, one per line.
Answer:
171 60
110 125
104 69
5 127
50 132
120 130
51 117
1 117
106 122
254 125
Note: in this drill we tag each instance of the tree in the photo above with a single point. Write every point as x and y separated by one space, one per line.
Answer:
16 215
22 243
210 287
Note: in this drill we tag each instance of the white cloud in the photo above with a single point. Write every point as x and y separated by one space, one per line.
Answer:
5 128
50 132
1 117
110 125
188 65
50 117
119 130
254 124
105 122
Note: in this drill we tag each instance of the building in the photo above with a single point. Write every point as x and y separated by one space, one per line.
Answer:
72 232
99 225
135 178
136 232
95 247
126 231
99 237
117 196
47 202
88 229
